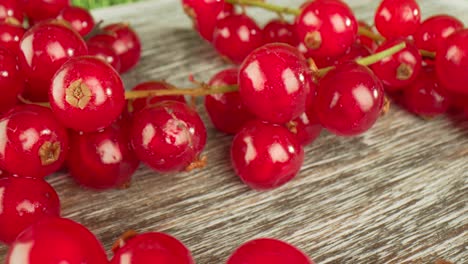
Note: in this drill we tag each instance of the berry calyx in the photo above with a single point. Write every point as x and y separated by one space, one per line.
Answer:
139 104
79 18
126 44
11 80
87 94
24 201
266 156
268 250
397 18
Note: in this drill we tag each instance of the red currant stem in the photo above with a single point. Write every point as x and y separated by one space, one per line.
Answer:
366 61
427 54
267 6
199 91
26 101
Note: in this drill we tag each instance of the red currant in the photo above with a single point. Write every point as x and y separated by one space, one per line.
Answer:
458 101
274 81
227 112
44 48
79 18
168 136
400 69
280 31
435 30
356 51
11 80
24 201
266 156
11 9
10 36
452 62
397 18
87 94
236 36
307 127
56 240
268 251
139 104
206 13
365 40
425 96
327 27
152 248
349 99
104 159
105 53
32 142
38 10
127 45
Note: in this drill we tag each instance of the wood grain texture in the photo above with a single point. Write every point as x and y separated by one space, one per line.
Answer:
394 195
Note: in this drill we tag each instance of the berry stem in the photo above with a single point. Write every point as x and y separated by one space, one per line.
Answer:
267 6
26 101
199 91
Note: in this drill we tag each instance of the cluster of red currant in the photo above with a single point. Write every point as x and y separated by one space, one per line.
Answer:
293 80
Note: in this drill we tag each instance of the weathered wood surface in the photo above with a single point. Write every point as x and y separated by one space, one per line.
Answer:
394 195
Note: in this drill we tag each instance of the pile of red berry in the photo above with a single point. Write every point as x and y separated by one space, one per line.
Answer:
64 105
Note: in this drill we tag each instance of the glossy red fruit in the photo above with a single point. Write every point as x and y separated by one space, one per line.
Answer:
11 9
355 52
104 159
139 104
87 94
227 112
425 96
152 248
104 53
397 18
44 48
168 136
206 13
327 27
24 201
38 10
266 156
32 142
236 36
280 31
307 127
401 69
127 45
11 80
79 18
274 81
268 251
10 36
435 30
452 62
349 99
56 240
364 40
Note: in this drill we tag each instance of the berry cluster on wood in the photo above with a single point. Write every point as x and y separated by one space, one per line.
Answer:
63 104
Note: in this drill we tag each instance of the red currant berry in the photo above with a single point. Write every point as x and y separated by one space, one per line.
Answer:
206 13
104 159
168 136
280 31
452 62
32 142
87 94
24 201
274 81
104 53
397 18
266 156
307 127
400 69
56 240
349 99
44 48
458 101
11 9
38 10
227 112
10 36
139 104
425 96
364 40
79 18
268 251
11 80
236 36
355 52
435 30
327 27
152 248
127 45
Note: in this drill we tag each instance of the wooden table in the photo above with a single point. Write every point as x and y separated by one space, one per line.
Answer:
396 194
